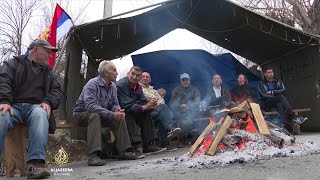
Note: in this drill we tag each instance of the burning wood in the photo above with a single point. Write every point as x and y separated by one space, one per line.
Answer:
202 137
262 125
241 124
219 135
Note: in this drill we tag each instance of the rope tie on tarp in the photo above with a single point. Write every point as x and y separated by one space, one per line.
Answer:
118 33
101 34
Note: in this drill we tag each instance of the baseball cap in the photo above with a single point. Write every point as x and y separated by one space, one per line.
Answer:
43 43
184 76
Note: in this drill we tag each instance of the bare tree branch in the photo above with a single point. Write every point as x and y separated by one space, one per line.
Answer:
15 15
297 13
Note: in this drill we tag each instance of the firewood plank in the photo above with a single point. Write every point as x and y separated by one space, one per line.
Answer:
202 137
219 135
262 125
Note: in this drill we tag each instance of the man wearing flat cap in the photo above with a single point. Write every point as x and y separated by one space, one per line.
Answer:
184 103
29 92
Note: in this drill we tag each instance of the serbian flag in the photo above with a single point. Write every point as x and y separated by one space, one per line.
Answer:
61 23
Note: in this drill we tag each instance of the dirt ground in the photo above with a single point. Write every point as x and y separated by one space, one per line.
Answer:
76 149
168 165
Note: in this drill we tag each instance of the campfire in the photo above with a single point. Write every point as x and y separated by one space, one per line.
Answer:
236 128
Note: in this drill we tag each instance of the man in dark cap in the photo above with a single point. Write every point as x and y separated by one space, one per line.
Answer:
29 92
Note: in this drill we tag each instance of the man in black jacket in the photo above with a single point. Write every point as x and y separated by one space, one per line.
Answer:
28 94
139 123
272 96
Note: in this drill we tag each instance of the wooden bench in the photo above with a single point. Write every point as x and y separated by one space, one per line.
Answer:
15 149
295 128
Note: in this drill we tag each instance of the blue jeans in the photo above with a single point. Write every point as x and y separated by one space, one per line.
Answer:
163 120
33 117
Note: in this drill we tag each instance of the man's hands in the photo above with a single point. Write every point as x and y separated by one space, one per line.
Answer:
46 107
5 108
184 106
119 114
153 104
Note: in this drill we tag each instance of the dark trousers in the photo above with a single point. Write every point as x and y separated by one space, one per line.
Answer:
282 105
140 128
185 120
94 134
162 118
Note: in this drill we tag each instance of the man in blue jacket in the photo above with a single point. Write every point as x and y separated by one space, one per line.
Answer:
29 92
272 96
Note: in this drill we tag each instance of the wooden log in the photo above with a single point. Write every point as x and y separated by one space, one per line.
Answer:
262 125
239 108
201 138
69 126
295 111
219 135
15 151
295 127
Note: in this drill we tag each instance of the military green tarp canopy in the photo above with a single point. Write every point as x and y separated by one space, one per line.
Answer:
233 27
293 53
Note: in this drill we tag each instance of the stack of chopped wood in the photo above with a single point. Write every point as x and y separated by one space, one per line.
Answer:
233 128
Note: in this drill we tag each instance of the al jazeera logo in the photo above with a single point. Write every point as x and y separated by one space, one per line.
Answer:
61 158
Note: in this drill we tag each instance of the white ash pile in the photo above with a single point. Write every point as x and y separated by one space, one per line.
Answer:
242 135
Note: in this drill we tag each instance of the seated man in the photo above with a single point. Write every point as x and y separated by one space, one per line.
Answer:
243 92
272 96
98 106
162 115
29 92
185 101
139 123
162 92
217 97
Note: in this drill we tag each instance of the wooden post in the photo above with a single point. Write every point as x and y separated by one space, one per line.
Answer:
73 82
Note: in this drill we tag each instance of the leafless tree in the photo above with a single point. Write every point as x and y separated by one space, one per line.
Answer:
14 17
304 14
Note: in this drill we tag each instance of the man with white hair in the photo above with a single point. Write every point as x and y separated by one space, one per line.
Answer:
98 106
29 92
161 116
162 92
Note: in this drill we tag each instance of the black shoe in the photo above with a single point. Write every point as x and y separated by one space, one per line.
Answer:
130 156
94 160
173 133
138 153
36 170
152 149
